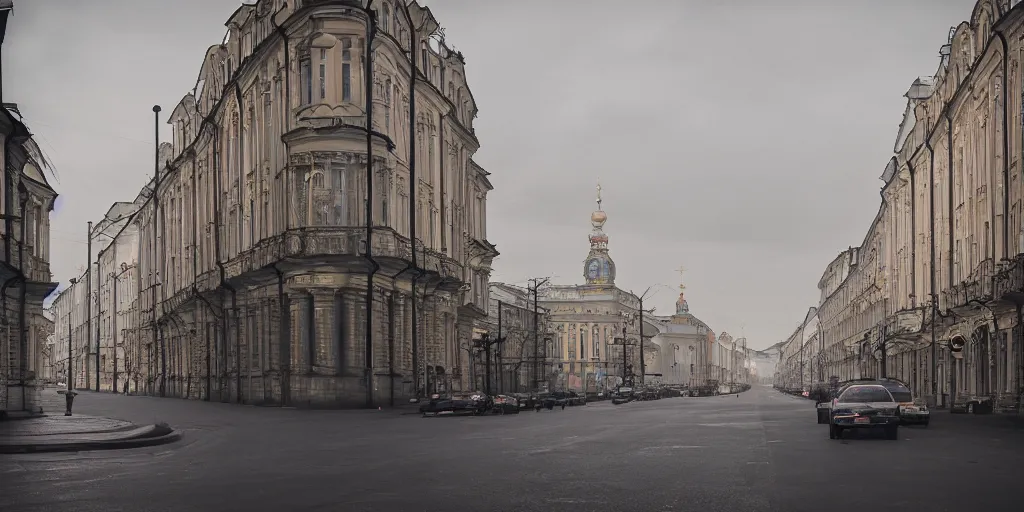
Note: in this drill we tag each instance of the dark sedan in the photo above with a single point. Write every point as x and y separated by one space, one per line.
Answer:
862 406
457 404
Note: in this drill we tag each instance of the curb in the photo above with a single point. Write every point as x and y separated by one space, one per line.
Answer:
155 435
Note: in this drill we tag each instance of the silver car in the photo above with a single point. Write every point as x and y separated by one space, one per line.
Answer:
863 406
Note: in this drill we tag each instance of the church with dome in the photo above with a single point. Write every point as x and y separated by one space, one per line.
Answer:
588 321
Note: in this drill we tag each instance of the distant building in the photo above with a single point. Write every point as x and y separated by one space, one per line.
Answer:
590 322
684 344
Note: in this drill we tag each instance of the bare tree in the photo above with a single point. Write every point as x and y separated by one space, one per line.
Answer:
132 352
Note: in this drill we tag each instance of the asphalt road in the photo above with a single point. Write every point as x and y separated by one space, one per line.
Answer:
759 451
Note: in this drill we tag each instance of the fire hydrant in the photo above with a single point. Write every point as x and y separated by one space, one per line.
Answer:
69 398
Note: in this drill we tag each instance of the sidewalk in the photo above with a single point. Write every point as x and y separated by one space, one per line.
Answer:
54 432
972 421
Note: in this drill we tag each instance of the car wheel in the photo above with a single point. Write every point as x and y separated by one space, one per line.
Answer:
832 431
925 424
892 433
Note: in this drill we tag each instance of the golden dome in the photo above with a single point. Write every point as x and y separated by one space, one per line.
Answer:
598 218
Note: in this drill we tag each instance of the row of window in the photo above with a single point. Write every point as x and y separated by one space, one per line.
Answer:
317 90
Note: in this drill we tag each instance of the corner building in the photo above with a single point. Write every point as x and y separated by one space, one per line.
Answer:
253 264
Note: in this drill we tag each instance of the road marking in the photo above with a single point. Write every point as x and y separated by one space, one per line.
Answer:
775 441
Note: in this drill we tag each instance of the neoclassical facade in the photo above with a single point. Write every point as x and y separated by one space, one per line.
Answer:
274 261
685 347
943 258
590 321
25 279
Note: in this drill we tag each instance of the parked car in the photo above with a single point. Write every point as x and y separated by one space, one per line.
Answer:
864 406
549 401
623 395
505 404
574 398
458 404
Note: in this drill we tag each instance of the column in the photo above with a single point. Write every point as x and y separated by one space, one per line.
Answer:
324 333
352 343
299 334
403 336
381 342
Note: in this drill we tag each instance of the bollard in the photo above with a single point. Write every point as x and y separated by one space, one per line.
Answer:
69 397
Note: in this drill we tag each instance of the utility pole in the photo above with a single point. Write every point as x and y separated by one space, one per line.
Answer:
625 358
113 331
88 305
643 364
537 283
498 360
485 342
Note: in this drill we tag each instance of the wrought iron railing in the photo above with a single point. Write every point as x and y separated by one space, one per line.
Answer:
1010 277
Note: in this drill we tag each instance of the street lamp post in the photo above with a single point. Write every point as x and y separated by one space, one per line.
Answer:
640 298
71 373
537 283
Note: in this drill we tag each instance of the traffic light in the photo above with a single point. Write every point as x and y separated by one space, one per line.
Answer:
957 343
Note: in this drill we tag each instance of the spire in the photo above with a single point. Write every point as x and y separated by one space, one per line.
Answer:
682 308
599 267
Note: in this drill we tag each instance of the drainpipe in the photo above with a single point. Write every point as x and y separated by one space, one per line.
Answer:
949 197
933 273
949 186
371 29
231 288
413 70
285 322
415 323
222 345
283 344
287 118
1006 153
195 254
22 328
913 230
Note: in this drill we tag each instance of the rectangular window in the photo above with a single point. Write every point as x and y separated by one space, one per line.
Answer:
323 74
346 70
306 75
433 226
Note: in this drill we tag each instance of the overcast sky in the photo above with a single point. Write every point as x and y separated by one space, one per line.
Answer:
742 140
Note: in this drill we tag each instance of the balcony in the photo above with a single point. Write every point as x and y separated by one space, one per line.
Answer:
310 245
978 286
1009 280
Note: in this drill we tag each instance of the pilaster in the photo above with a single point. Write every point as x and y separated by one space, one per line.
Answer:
325 330
353 342
300 333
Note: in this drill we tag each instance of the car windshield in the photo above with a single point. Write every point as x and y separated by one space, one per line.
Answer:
865 394
901 395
